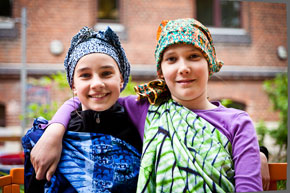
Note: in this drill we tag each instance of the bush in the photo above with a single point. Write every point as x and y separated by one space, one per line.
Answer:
277 91
47 110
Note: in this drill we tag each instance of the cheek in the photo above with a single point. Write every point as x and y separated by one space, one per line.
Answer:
206 72
168 73
201 69
164 70
115 83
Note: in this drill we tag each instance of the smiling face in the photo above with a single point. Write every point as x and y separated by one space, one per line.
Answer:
97 81
185 71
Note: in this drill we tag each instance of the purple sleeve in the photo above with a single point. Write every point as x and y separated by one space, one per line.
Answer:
137 111
246 155
62 115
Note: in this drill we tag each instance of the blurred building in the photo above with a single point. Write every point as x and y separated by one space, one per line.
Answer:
250 37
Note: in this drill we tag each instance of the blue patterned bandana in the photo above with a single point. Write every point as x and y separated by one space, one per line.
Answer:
87 41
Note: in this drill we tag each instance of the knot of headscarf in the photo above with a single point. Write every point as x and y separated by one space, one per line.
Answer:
88 41
180 31
152 90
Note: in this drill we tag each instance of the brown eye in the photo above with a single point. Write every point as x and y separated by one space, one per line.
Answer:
194 56
106 73
85 75
171 59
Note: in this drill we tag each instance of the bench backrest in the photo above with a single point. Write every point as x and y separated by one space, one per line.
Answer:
11 183
278 171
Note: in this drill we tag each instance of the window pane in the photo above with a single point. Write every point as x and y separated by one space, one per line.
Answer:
5 8
230 14
108 10
2 115
205 12
219 13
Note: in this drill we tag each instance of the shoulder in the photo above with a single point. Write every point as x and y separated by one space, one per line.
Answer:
136 110
132 102
228 114
229 121
236 116
222 114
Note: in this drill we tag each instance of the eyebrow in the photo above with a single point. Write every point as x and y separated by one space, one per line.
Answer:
188 50
107 66
82 69
102 67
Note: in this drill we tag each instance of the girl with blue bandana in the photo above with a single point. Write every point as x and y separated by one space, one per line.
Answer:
189 143
101 148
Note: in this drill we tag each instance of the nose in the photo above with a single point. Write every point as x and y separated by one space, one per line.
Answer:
97 83
183 67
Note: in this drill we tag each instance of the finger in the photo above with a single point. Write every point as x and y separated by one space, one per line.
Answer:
265 187
268 186
40 174
34 165
51 171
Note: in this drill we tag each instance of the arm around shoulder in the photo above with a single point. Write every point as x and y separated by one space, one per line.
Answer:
62 115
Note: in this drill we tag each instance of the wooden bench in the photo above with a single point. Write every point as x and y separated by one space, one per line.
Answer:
11 183
278 171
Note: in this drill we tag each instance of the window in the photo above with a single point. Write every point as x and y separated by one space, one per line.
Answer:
6 8
224 20
108 10
2 115
109 15
7 23
219 13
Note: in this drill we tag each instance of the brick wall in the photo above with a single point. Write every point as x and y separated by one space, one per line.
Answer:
142 19
247 92
10 96
47 21
60 20
50 20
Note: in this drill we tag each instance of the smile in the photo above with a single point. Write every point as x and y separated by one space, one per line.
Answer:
98 95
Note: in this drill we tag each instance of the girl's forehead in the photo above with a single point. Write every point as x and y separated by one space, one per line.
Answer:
185 47
97 60
97 57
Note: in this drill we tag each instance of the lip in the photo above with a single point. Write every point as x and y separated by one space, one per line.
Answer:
185 81
98 96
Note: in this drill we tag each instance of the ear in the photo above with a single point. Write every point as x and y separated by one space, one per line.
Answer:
121 82
74 90
161 75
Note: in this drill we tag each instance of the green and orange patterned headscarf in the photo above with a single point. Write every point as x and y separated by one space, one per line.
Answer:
179 31
186 31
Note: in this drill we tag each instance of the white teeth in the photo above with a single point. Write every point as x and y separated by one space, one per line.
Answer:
98 96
